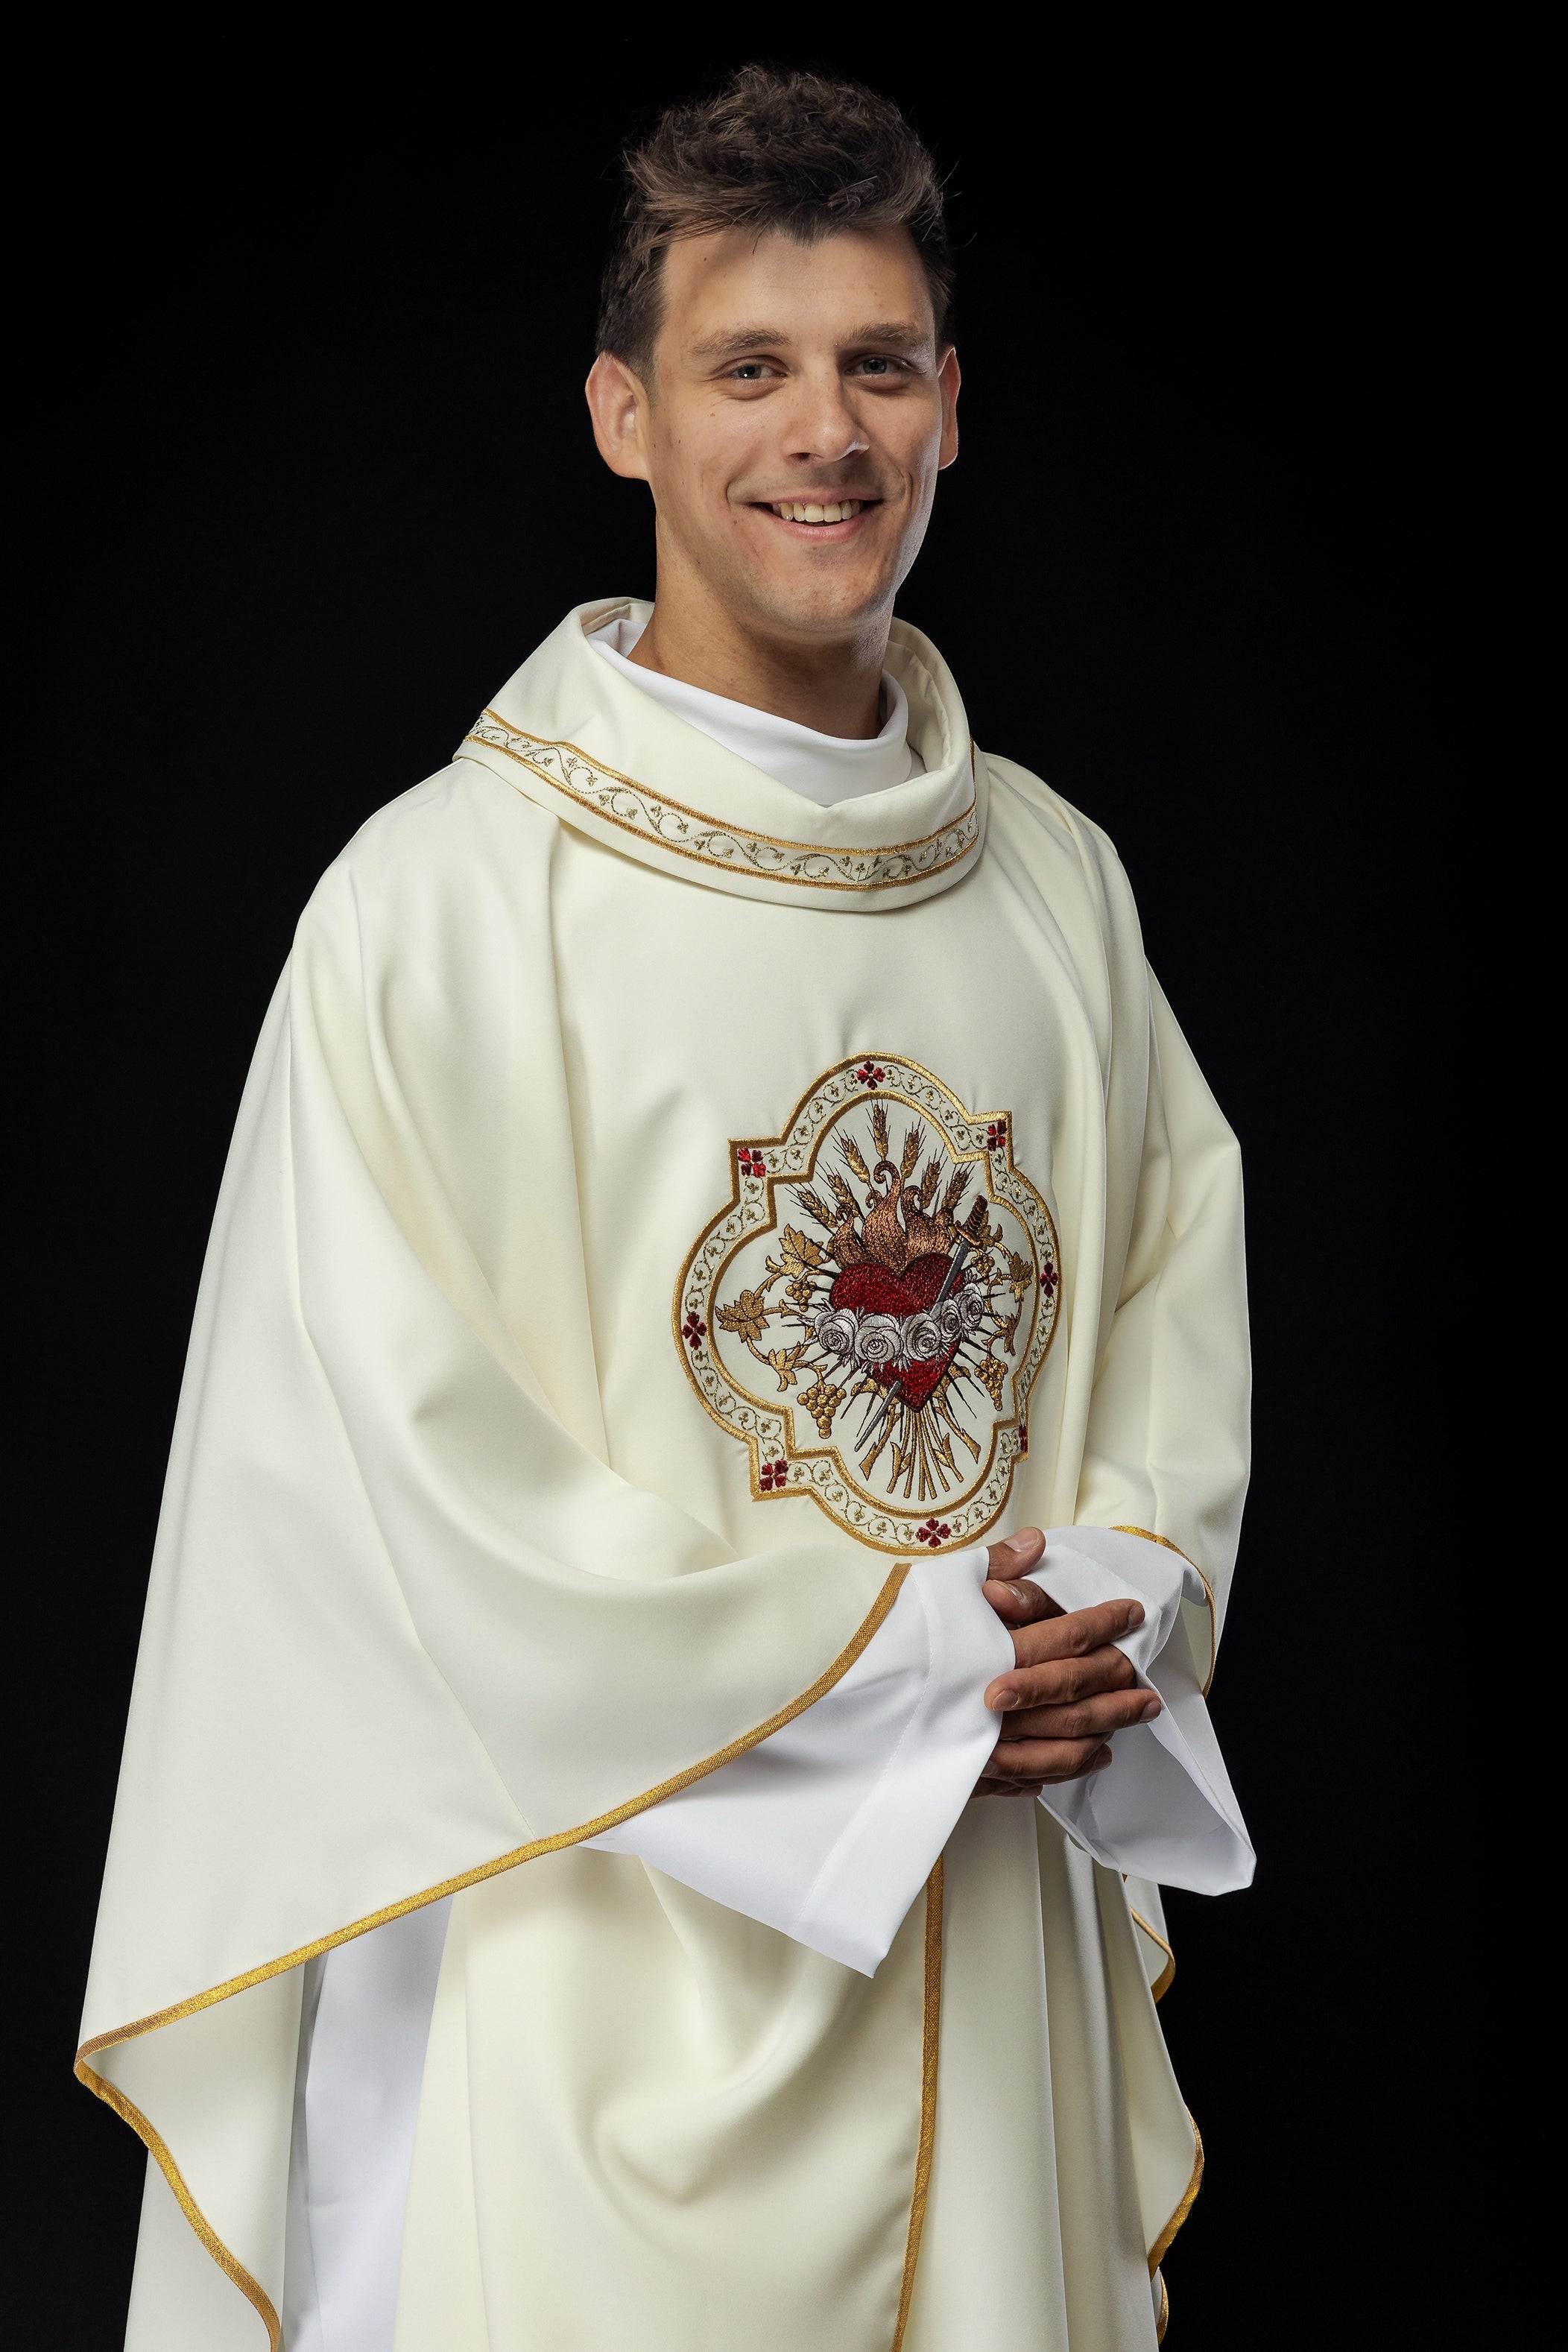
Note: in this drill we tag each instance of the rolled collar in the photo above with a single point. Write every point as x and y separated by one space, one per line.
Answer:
572 734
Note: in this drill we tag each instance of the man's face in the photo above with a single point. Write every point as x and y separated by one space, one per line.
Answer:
787 378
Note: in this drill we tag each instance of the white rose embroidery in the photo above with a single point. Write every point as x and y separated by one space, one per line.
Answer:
924 1338
837 1330
880 1340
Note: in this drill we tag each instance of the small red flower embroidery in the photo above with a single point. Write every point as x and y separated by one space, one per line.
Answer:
933 1534
869 1075
751 1163
1023 1437
693 1331
996 1135
771 1475
1048 1279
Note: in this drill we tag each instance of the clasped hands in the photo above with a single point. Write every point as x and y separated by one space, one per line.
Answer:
1068 1690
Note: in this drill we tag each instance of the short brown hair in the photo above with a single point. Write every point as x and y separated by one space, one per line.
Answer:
770 149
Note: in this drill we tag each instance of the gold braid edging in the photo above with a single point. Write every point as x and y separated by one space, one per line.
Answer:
1163 2243
158 2147
1162 1984
930 2036
1163 1981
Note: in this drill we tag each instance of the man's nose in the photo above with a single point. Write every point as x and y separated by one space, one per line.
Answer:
822 428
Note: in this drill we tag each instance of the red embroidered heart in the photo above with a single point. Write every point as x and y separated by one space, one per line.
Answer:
872 1290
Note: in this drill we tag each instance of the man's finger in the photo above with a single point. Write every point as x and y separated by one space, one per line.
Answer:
1089 1719
1049 1761
1058 1682
1020 1603
1080 1631
1077 1633
1013 1555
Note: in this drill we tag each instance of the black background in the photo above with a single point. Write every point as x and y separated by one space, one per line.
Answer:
313 472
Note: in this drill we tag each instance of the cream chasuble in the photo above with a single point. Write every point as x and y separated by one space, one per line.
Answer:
661 1210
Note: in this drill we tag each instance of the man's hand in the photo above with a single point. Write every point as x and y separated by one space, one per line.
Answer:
1070 1689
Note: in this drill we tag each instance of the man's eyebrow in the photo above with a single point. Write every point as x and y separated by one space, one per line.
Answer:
894 334
903 335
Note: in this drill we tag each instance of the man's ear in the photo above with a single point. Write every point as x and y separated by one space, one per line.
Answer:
617 404
948 379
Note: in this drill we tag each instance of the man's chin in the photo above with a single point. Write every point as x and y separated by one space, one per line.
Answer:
815 609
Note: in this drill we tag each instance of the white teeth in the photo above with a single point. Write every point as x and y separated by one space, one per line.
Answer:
792 510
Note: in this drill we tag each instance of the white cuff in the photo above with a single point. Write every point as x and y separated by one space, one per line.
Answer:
1163 1808
829 1830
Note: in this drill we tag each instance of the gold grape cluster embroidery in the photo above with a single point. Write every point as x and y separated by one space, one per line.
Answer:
871 1311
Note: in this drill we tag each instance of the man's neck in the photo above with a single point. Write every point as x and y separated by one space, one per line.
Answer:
834 687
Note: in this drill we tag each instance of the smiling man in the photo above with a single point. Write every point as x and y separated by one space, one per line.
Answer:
718 1179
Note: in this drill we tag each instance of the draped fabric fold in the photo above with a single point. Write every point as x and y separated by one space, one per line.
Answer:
569 1390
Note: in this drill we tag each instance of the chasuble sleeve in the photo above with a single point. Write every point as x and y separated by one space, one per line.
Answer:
1162 1482
407 1624
1167 1446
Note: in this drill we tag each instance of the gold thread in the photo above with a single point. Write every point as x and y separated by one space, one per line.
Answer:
929 2037
827 1452
114 2097
159 2149
1163 1982
1162 2245
1150 1537
965 824
1163 2321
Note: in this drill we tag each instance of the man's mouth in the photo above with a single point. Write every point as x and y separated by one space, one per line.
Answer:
811 510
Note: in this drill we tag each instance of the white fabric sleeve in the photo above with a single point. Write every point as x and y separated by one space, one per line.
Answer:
1163 1808
364 2023
829 1830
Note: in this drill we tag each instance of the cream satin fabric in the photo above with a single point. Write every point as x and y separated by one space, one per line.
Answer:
441 1495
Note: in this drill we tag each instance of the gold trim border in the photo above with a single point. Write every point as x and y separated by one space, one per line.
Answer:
1163 2319
1163 2242
825 1453
965 825
158 2147
930 2035
1150 1537
1166 1978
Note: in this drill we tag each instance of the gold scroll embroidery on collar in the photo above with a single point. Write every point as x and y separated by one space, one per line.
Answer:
622 801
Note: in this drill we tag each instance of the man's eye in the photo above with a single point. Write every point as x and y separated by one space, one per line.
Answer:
750 372
874 364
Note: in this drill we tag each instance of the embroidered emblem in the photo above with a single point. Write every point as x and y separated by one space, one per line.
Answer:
870 1312
623 801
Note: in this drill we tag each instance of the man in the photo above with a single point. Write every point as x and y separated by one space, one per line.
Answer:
715 1158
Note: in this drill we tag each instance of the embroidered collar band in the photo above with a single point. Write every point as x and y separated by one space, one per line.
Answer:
572 734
